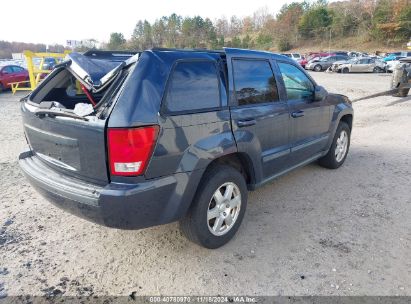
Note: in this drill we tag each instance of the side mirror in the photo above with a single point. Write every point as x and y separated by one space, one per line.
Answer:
320 93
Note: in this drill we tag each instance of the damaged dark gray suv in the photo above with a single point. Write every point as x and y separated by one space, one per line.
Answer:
136 140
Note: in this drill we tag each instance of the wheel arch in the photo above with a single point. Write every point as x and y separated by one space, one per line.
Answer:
239 161
347 118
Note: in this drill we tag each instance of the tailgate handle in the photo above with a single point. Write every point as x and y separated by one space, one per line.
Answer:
246 123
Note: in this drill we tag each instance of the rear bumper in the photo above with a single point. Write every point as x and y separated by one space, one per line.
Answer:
118 205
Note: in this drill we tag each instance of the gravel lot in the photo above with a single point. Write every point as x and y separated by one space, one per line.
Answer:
312 232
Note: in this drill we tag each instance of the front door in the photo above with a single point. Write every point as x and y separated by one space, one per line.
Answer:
19 74
8 76
310 119
260 120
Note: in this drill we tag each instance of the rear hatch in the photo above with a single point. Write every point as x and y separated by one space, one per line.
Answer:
62 127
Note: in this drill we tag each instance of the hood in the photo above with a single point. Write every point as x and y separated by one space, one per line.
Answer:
96 71
406 60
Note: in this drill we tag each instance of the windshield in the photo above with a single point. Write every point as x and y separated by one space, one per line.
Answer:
325 59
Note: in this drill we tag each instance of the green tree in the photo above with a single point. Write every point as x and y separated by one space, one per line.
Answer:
117 41
315 21
404 20
236 42
264 41
247 42
283 44
173 29
159 32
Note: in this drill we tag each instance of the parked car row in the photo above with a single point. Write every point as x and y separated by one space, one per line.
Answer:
349 62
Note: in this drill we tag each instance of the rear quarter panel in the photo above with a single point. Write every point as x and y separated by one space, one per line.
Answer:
190 142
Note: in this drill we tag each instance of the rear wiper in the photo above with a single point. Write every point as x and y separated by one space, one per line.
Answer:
59 113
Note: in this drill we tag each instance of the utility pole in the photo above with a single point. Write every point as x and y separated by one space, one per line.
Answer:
329 43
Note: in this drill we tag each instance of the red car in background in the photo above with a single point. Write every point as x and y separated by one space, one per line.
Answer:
12 73
310 56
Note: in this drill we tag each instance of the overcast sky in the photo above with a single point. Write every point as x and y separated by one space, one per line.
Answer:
58 21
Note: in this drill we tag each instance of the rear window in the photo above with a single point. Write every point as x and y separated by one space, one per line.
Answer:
193 86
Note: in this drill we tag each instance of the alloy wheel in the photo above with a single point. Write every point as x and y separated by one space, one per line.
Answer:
223 209
341 146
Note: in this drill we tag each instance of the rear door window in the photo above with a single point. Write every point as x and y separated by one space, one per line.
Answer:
254 82
297 84
193 86
17 69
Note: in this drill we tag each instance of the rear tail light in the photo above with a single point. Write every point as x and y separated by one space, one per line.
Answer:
129 150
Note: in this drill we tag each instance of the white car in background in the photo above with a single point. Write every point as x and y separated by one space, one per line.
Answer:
360 65
295 56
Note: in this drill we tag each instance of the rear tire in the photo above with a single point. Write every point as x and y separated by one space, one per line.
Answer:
216 213
1 88
339 148
402 92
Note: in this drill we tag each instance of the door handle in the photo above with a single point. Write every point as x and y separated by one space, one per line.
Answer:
246 123
297 114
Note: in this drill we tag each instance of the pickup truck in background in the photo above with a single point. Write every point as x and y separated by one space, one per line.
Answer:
136 140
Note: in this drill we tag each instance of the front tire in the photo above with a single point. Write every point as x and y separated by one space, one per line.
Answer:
339 148
377 70
318 68
218 208
345 70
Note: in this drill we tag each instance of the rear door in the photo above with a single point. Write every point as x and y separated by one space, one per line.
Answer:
260 119
196 121
361 66
19 74
310 119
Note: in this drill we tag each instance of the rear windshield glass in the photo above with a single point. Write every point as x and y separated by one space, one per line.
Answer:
193 86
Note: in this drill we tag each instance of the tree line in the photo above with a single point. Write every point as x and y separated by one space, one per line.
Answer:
7 48
387 21
295 25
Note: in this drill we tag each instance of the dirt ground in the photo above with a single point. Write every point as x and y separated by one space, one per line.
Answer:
312 232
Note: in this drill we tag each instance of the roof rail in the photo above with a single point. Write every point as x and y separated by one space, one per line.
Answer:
199 50
110 55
